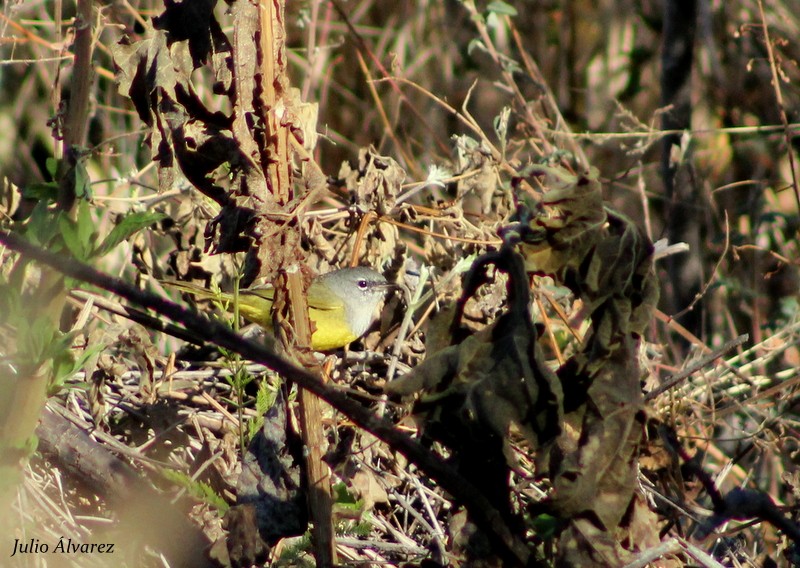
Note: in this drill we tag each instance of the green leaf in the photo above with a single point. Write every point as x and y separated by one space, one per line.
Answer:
511 65
475 44
86 227
34 339
52 167
545 526
71 236
65 363
61 342
127 227
345 499
342 494
199 490
82 181
501 8
63 368
265 398
47 191
40 228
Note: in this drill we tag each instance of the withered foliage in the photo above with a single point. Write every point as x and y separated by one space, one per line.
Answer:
587 441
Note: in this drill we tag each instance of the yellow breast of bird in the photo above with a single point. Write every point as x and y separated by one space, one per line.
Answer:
332 330
325 310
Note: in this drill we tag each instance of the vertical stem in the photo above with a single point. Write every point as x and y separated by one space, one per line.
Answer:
77 114
25 394
78 110
275 111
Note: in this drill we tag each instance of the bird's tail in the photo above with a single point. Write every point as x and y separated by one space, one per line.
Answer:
255 304
197 291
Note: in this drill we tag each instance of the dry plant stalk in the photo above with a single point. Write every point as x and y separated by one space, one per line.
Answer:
260 212
277 110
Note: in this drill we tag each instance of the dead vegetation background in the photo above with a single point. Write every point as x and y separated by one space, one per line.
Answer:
426 113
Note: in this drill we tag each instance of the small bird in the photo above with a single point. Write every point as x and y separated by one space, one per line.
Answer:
342 304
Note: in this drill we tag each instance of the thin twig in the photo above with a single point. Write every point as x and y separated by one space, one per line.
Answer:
712 278
696 366
787 136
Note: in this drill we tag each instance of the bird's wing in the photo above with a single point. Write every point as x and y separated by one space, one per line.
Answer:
320 298
190 288
266 292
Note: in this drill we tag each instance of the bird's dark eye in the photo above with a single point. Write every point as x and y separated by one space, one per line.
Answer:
362 284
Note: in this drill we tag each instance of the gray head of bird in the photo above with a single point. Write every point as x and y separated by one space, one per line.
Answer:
360 289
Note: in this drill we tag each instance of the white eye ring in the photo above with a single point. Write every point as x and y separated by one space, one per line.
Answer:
362 284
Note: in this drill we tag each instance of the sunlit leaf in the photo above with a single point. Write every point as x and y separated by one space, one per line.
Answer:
128 227
501 8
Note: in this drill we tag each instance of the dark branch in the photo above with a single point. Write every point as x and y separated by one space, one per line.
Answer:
481 511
